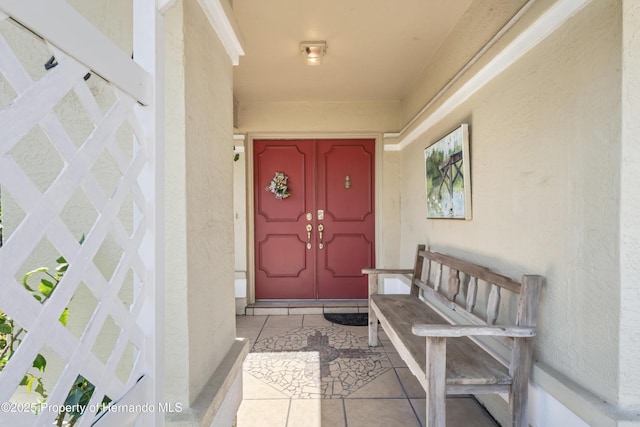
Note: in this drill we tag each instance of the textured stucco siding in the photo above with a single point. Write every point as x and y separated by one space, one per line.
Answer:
545 146
176 338
630 208
209 191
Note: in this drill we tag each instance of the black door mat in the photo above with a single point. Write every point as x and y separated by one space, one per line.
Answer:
348 319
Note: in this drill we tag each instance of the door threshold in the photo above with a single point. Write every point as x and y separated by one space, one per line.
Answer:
289 307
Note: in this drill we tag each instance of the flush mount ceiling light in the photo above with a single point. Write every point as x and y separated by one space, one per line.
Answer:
313 51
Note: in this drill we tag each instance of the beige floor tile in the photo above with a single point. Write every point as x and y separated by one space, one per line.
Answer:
271 311
382 335
272 332
293 321
250 321
410 383
340 309
396 360
385 386
461 412
305 310
263 413
380 412
253 388
361 331
315 320
343 303
377 349
381 402
316 413
270 304
249 333
388 347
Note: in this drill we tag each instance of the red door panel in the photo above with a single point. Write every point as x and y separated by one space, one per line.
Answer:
285 268
291 263
349 221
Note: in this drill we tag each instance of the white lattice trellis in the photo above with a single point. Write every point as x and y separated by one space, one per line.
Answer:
34 106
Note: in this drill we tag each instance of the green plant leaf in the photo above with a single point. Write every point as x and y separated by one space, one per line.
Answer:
40 363
45 287
29 383
74 397
31 273
62 267
64 317
40 389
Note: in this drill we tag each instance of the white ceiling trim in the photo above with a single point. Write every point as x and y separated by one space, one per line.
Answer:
546 24
222 20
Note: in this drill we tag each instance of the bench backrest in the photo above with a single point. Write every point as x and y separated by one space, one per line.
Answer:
429 277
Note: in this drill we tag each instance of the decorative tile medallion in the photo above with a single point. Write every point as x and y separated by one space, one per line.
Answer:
316 362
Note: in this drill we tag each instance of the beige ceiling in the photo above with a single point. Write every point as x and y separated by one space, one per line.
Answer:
377 49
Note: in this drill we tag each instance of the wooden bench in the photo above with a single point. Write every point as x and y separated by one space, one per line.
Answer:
440 330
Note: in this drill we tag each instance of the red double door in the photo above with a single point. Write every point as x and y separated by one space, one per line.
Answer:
314 242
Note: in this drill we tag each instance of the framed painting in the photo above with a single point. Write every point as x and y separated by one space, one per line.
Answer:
448 176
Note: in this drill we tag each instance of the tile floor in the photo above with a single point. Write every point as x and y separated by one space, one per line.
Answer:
304 371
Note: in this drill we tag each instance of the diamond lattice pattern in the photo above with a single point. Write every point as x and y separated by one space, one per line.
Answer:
72 157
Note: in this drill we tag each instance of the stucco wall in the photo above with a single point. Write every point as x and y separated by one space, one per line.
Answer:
114 18
176 275
240 209
545 145
629 208
388 255
200 306
477 26
319 116
209 192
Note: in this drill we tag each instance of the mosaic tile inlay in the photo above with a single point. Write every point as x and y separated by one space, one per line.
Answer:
316 362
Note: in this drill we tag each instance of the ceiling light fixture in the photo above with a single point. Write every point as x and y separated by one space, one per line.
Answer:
313 51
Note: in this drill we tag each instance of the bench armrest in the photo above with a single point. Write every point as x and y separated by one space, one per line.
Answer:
386 271
472 330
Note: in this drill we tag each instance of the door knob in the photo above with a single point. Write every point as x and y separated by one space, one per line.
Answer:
320 230
309 228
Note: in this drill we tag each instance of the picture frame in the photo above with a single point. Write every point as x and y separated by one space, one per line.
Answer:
448 176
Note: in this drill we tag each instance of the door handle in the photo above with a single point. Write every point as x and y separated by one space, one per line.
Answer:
320 229
309 228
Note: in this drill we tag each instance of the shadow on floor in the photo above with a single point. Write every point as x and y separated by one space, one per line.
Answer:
305 371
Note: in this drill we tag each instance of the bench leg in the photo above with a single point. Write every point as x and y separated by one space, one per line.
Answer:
373 318
522 354
373 327
436 381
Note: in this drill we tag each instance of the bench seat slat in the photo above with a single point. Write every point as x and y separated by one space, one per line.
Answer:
471 330
386 271
467 364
